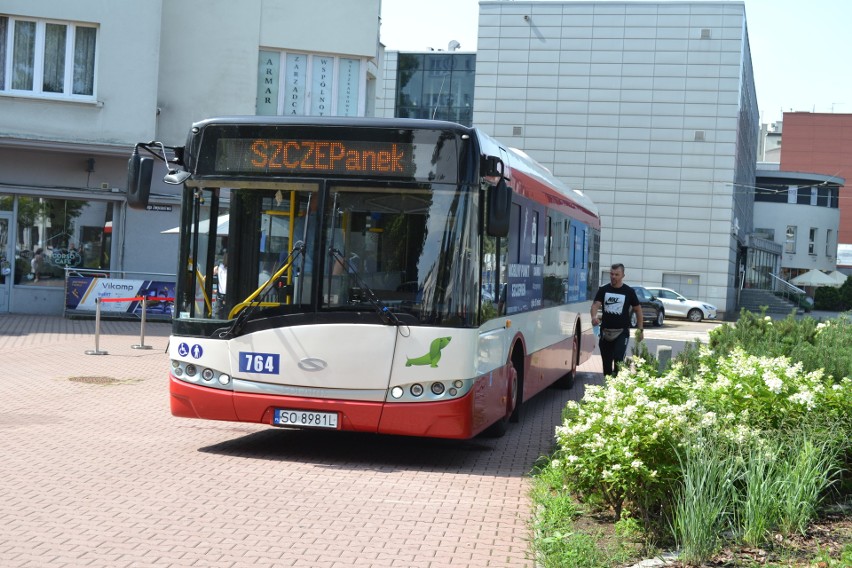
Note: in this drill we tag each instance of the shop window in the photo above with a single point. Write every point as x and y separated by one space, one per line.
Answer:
56 234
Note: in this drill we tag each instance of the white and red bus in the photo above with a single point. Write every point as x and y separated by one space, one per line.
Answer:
393 276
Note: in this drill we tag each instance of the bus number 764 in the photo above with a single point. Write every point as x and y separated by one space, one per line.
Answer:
264 363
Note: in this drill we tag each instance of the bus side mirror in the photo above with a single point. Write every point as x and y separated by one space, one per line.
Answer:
499 207
139 171
490 166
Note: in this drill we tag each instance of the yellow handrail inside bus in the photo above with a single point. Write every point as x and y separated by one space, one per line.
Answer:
200 278
239 307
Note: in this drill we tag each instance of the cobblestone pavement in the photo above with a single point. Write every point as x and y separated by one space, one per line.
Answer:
94 471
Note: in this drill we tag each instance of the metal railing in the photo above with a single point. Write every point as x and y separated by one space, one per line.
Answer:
788 291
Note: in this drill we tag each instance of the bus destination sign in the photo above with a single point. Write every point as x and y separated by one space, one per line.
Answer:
327 157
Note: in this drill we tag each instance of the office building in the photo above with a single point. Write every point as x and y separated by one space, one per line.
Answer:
82 82
648 107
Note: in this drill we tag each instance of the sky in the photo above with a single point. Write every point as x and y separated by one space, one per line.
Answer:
800 50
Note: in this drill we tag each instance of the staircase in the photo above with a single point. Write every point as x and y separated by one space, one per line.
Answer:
753 300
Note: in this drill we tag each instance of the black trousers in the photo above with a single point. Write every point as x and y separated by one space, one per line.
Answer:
613 352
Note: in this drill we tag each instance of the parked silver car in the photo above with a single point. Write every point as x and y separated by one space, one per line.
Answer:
678 305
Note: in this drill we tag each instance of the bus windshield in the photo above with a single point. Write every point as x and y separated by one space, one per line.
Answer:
404 245
320 247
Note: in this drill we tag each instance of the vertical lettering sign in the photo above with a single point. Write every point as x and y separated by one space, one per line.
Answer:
349 87
294 84
322 83
268 75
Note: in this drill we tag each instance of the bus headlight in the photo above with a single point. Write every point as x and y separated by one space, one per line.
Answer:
204 376
437 391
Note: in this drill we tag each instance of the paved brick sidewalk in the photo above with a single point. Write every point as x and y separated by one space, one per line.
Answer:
98 473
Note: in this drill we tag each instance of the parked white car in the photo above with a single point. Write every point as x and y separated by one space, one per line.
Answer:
678 305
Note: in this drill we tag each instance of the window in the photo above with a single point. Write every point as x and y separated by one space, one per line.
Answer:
55 234
48 59
812 237
772 193
763 233
792 193
310 84
436 85
828 251
790 243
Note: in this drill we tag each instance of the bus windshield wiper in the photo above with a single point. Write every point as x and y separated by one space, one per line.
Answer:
255 300
384 312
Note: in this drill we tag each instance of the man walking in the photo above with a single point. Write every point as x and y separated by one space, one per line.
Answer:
617 300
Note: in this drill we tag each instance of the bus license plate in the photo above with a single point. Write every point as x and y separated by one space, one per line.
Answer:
304 418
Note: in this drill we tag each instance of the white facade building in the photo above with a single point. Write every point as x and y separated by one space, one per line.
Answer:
82 82
648 107
800 212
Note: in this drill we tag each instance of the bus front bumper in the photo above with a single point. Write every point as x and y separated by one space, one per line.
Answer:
450 419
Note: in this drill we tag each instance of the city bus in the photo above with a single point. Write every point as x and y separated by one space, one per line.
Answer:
393 276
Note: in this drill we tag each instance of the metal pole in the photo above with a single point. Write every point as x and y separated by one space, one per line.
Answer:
97 351
142 333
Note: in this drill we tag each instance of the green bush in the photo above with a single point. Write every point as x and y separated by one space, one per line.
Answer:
817 345
772 399
834 299
619 445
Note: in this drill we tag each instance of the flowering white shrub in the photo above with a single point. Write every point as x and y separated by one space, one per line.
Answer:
617 442
618 445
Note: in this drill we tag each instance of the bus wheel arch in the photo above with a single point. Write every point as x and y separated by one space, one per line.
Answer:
517 360
567 380
514 392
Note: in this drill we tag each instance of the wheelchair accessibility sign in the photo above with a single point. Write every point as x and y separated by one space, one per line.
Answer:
195 350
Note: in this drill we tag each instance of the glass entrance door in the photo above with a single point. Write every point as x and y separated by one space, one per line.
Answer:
7 261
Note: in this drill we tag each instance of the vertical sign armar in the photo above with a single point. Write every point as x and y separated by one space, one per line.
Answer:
269 66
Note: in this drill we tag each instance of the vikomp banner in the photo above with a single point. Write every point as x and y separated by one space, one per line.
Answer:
119 296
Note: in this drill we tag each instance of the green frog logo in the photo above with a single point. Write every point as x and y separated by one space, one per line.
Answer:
433 356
